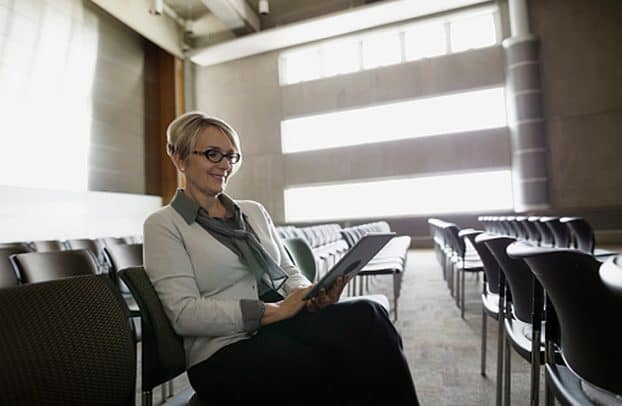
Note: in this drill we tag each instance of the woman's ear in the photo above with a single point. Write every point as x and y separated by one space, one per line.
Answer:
179 163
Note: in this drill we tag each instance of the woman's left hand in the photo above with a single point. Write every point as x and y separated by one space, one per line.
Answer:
325 298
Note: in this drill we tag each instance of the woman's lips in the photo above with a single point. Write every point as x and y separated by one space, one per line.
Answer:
219 178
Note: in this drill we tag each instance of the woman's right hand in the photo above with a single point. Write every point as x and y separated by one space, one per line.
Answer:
285 308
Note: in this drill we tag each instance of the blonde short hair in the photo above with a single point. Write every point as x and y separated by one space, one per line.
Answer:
182 134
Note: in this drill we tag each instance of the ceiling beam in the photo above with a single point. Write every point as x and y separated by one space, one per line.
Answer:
161 30
235 14
331 25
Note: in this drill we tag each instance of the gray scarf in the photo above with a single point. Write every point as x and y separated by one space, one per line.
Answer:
242 240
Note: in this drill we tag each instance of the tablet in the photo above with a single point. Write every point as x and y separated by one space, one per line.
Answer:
353 261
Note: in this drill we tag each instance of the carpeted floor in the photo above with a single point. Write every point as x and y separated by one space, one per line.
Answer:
443 350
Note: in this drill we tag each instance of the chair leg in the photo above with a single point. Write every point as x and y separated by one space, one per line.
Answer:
396 292
507 375
483 363
549 397
457 286
462 296
171 389
500 341
147 398
535 366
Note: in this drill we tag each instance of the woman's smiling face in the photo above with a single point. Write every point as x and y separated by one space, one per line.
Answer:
202 175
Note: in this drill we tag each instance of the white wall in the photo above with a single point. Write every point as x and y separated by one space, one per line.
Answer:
38 214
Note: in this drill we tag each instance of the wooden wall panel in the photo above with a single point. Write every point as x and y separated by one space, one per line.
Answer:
161 104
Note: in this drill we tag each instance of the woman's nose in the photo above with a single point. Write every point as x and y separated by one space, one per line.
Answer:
225 163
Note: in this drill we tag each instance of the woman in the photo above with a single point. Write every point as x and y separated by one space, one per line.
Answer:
231 291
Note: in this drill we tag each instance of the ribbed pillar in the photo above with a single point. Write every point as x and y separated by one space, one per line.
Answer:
525 114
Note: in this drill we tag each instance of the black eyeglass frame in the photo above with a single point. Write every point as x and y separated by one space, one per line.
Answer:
217 156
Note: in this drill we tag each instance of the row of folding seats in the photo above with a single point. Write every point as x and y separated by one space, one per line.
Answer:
96 244
329 242
456 255
543 290
22 267
547 231
324 239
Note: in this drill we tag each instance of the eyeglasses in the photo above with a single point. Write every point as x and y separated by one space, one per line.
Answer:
215 156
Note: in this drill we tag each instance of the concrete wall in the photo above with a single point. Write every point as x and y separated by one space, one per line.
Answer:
246 93
581 63
106 84
106 87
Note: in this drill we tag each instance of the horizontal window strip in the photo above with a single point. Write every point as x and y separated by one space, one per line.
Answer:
454 193
432 37
459 112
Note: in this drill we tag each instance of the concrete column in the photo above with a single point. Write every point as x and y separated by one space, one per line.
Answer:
525 114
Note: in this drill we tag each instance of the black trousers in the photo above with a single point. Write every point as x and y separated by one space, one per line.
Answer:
347 353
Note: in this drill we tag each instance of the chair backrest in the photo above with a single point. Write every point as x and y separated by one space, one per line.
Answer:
110 241
582 232
561 233
457 244
66 342
47 246
123 256
517 275
532 229
83 244
546 235
35 267
21 245
8 274
163 355
491 267
591 332
302 255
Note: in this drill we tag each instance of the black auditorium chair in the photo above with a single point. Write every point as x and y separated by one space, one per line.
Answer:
47 245
561 233
588 371
66 342
109 241
118 257
532 229
584 238
33 267
8 275
88 244
493 302
121 256
163 356
546 235
21 245
524 300
468 262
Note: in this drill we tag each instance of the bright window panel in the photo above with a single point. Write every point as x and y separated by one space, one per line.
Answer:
476 31
340 58
381 50
456 193
425 41
46 80
302 65
474 110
